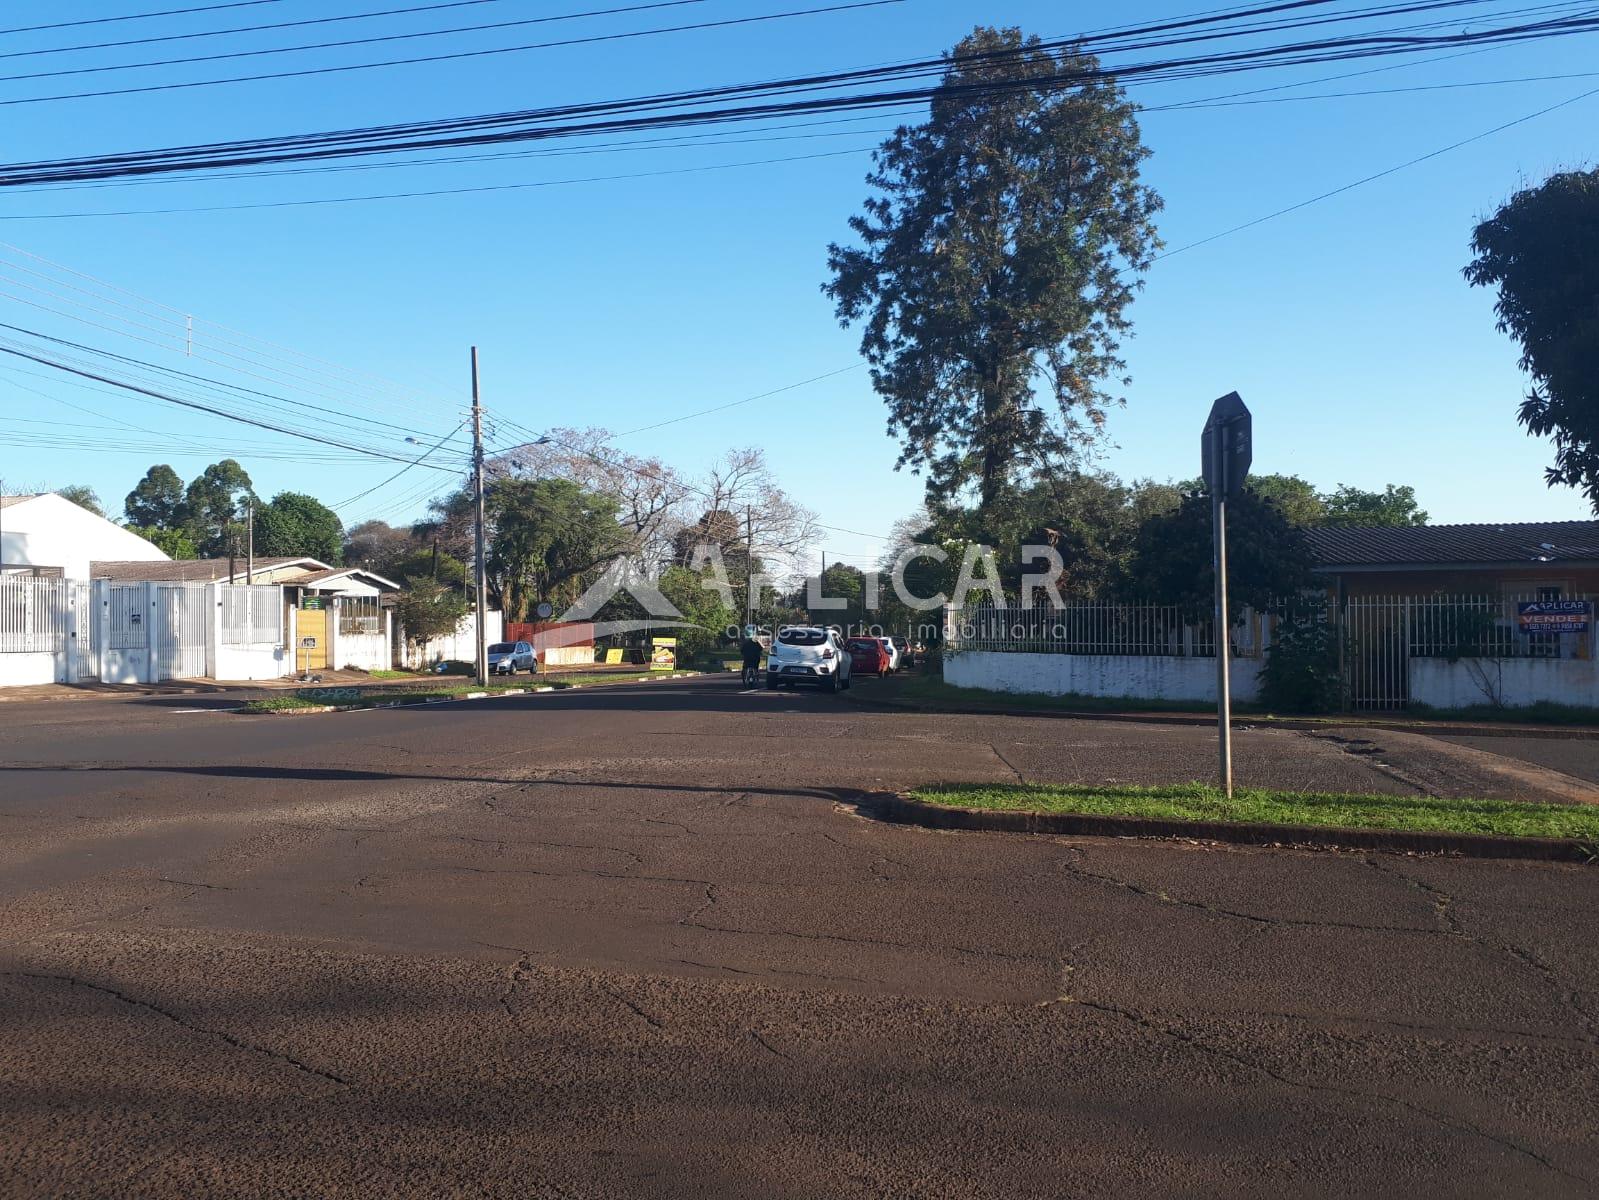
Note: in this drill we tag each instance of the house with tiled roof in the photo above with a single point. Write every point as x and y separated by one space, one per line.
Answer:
1495 558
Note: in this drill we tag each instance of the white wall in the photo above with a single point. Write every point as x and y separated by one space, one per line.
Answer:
1515 682
48 531
17 670
239 663
1124 677
460 646
363 651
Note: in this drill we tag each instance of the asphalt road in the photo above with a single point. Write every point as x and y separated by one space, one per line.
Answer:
629 942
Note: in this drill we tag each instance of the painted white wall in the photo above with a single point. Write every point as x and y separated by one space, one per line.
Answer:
47 531
363 651
1116 676
19 670
461 646
240 663
1515 682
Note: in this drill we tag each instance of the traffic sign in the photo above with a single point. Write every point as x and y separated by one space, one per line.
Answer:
1231 419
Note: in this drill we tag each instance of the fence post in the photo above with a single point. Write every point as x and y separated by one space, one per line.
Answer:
213 630
333 633
70 633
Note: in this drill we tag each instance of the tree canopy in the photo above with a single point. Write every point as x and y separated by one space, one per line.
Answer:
295 525
1541 250
999 256
157 501
82 495
548 534
214 507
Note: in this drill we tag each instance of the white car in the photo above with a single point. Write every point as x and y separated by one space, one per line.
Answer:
507 658
808 654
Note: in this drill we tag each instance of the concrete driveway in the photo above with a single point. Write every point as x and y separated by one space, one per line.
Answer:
630 943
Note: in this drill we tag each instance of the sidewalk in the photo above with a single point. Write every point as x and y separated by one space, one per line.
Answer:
246 689
909 692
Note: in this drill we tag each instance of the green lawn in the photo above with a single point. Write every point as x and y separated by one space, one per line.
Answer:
1198 802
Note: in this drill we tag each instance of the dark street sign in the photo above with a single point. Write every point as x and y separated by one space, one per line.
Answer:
1237 446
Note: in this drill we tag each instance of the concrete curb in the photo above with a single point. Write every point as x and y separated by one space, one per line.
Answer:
904 810
1457 729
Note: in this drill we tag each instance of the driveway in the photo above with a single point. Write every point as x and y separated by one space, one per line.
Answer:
634 942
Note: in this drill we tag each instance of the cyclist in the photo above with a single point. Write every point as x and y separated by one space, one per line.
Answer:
751 651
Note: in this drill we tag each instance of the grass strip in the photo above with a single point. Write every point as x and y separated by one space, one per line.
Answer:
1198 802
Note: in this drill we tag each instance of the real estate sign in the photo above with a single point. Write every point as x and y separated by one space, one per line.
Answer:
663 653
1554 616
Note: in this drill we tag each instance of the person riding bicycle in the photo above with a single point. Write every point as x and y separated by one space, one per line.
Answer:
751 651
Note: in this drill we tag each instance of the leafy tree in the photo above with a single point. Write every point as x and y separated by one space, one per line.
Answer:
1297 499
427 610
174 543
1391 506
427 564
82 495
840 582
378 546
1268 561
701 605
998 255
214 505
157 501
295 525
549 534
1541 249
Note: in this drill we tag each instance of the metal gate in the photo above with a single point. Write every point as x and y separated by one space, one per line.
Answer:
1376 652
125 656
183 626
85 632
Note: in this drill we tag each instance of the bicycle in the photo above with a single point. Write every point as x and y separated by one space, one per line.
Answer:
751 675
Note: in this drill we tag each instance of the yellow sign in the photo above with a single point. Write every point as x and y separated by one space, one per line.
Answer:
613 657
663 653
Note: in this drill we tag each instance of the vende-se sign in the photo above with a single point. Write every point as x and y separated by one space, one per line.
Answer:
1554 616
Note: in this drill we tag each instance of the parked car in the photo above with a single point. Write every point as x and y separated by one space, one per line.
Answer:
907 654
507 658
867 657
808 654
893 653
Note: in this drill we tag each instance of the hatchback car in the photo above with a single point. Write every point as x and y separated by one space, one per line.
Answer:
507 658
867 656
808 654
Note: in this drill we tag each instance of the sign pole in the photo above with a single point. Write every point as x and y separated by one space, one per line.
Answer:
1224 699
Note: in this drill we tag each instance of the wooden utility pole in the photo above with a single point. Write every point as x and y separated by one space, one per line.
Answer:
481 566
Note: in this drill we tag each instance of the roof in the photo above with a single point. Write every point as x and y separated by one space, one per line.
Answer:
186 570
315 577
1498 544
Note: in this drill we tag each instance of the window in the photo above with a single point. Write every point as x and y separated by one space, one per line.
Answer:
801 637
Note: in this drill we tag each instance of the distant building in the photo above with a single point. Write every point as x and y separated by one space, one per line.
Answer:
45 534
304 576
1543 558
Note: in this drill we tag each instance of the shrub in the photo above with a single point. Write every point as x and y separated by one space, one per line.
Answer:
1301 673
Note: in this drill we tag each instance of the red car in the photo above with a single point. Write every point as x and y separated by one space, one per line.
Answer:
868 655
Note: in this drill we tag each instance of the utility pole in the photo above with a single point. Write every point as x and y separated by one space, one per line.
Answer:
477 529
749 566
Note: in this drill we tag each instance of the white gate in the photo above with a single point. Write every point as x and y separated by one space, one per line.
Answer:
125 656
85 632
182 628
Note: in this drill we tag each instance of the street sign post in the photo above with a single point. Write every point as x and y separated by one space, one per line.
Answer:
1226 451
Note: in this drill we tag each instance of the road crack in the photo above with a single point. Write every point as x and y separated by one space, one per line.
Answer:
147 1006
1199 1044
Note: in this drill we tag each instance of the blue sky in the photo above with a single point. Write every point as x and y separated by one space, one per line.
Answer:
1346 326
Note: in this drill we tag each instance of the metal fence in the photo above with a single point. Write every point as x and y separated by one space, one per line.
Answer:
253 615
360 616
1086 628
34 615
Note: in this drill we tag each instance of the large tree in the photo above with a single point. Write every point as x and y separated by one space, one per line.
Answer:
1394 505
379 546
998 260
549 537
295 525
214 506
83 496
156 502
1541 250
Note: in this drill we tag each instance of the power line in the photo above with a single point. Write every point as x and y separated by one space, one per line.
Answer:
169 12
258 53
1338 191
431 192
758 101
309 72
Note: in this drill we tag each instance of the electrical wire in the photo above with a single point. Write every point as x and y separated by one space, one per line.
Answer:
169 12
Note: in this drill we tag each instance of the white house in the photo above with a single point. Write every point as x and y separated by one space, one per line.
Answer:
47 534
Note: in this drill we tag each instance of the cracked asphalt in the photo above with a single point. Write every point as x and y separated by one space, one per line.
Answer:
635 942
